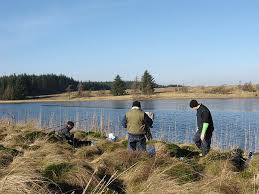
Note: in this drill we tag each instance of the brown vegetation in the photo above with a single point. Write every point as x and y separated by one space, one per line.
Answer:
34 162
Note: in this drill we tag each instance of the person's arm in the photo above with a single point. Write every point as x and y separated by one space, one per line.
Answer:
124 122
148 121
204 130
68 135
205 124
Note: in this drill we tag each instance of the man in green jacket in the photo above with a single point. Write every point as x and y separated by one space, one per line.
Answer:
203 135
136 121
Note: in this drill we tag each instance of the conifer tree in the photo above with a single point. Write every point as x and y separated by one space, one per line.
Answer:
118 87
147 83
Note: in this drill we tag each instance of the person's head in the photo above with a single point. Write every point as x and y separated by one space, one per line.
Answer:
194 104
70 125
136 104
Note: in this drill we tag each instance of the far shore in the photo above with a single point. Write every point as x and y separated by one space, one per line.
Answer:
160 94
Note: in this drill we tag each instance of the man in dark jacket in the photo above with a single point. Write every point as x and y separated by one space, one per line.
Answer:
203 135
65 135
136 122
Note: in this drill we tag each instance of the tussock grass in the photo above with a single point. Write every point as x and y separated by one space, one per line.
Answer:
7 155
88 152
24 184
34 162
119 160
107 146
91 134
184 172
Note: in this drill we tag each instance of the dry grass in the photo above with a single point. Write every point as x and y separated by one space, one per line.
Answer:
24 184
44 166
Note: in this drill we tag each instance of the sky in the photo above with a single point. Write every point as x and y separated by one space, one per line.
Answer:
191 42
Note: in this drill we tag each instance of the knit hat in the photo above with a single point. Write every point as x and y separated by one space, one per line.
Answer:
194 103
70 123
136 103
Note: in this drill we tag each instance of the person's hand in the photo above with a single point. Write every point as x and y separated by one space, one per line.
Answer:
149 136
202 137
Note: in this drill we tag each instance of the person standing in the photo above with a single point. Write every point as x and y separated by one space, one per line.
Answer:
203 135
136 121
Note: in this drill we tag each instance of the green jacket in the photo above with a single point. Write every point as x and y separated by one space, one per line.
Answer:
136 122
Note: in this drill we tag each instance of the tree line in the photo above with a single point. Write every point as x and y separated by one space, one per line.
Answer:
95 86
19 87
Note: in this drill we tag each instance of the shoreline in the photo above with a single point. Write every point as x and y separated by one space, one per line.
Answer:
161 96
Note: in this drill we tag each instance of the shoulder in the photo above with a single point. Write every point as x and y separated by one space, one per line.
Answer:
203 108
139 112
64 130
206 109
127 113
205 113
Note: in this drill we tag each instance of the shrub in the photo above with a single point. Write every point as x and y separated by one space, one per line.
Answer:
183 89
220 90
101 93
248 87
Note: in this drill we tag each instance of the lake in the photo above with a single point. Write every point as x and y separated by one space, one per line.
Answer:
236 120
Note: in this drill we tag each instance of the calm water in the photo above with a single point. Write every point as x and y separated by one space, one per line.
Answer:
236 120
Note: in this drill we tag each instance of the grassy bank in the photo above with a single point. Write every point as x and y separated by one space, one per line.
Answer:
34 162
160 93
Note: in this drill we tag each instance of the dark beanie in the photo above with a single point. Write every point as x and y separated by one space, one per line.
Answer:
70 123
136 103
194 103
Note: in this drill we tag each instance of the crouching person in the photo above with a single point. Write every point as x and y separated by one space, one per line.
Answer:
65 135
136 122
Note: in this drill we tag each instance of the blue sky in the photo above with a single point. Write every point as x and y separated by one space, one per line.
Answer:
208 42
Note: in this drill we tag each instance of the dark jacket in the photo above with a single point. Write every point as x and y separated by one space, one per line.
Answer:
204 116
136 121
65 134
